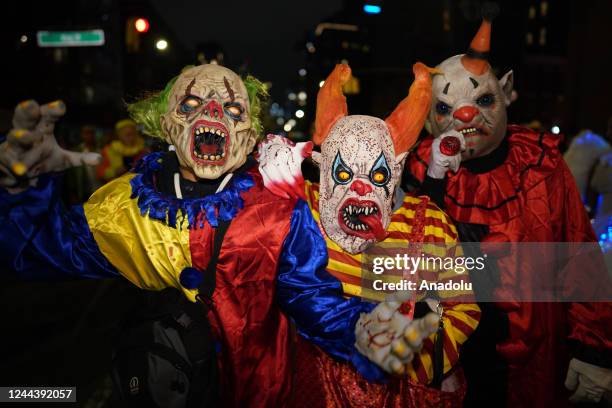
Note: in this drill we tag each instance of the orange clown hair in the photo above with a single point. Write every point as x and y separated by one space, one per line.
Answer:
331 103
406 121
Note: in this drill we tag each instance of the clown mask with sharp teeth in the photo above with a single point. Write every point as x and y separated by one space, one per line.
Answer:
208 120
359 174
361 160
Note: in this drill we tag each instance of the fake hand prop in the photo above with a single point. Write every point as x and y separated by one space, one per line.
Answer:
30 148
445 154
589 382
390 339
280 165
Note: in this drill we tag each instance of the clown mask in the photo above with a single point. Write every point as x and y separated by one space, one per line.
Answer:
361 160
208 120
359 174
470 99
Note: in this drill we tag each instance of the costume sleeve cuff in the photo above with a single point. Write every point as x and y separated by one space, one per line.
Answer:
591 355
367 369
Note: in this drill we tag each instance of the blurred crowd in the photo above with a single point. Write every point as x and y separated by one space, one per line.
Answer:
120 147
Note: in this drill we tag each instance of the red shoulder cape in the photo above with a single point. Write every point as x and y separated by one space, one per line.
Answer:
492 197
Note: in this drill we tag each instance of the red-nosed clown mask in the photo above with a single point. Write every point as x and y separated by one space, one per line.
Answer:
208 121
469 98
361 159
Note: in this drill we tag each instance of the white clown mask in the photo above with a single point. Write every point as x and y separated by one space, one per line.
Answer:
361 159
469 99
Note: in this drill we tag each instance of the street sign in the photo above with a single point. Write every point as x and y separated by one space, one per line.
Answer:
88 38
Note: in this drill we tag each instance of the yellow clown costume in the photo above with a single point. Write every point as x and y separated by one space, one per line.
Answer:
357 208
416 220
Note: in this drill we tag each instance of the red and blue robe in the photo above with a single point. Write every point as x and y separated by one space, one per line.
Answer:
273 258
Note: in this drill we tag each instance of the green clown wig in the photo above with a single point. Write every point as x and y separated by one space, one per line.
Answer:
148 111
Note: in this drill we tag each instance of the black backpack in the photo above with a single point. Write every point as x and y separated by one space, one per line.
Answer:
165 355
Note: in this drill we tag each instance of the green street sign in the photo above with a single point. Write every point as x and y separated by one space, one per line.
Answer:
89 38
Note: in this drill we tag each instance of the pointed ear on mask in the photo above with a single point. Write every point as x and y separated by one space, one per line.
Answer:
400 159
316 158
507 84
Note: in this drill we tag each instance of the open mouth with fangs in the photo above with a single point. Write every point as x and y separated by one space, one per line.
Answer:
361 219
469 131
209 142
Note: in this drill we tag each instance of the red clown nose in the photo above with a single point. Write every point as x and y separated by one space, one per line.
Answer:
465 114
361 188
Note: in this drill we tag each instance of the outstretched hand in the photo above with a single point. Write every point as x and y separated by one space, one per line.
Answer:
388 338
30 148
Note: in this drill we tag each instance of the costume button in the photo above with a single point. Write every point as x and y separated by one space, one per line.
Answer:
190 277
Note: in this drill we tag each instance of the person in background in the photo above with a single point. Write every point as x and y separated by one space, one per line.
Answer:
119 155
81 181
582 158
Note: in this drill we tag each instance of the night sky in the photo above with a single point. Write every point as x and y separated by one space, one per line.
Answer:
264 33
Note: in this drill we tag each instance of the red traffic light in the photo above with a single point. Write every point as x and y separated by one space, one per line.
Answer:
141 25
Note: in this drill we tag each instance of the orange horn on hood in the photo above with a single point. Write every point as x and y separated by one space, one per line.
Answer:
476 58
331 103
407 120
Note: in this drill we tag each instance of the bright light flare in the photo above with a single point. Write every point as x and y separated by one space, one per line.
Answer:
372 8
161 45
141 25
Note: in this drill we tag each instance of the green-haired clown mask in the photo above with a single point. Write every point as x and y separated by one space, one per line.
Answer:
209 121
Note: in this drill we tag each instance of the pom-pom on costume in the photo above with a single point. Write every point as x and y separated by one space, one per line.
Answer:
156 225
356 206
512 185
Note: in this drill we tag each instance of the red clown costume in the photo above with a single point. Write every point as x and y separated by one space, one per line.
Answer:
510 184
357 205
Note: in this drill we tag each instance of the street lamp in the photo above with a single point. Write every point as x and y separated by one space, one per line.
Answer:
161 44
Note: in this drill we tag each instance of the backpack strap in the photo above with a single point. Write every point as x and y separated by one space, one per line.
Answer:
209 281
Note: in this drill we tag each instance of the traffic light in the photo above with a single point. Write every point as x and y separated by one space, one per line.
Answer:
134 28
141 25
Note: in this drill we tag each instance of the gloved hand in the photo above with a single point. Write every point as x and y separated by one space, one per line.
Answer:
280 165
30 148
388 338
589 382
444 155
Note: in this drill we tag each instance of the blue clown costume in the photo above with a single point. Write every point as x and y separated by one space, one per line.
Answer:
273 257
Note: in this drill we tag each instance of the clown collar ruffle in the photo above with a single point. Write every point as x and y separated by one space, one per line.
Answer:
492 197
166 208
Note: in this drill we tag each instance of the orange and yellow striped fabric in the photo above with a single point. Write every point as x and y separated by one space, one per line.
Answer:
460 319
